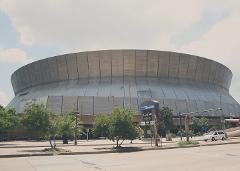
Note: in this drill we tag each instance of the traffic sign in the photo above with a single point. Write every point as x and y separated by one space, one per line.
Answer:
147 123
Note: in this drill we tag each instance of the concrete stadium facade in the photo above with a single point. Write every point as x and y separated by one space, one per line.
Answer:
94 82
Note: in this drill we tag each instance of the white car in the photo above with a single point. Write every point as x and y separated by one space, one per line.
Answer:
215 135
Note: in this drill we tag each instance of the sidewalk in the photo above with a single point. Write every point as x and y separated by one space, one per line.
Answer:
33 148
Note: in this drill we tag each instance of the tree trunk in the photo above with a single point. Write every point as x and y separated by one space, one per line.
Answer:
50 141
117 142
121 143
54 141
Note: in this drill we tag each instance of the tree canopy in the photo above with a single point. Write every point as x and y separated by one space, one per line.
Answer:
165 119
199 125
9 120
101 126
37 118
116 126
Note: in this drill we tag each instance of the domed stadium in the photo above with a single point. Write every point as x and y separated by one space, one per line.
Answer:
93 82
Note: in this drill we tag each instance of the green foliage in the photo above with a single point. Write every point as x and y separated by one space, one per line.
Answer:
9 120
199 125
227 125
53 130
183 143
73 121
117 126
121 125
62 125
37 119
165 119
101 125
66 125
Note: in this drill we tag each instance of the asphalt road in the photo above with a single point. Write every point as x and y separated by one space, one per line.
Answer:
222 157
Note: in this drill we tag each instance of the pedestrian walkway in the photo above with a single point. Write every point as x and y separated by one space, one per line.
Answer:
90 146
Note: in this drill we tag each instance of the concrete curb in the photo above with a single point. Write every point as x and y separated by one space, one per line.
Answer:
82 145
107 152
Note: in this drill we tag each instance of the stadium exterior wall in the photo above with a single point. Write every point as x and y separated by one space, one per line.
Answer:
94 82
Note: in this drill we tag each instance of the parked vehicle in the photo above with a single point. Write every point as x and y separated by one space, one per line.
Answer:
215 135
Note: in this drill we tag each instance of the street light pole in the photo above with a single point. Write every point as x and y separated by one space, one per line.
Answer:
180 119
155 127
75 131
187 122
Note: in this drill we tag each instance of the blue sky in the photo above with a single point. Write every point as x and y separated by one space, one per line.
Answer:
31 30
9 37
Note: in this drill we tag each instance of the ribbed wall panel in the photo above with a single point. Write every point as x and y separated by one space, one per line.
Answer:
94 66
117 63
54 104
192 66
72 66
53 70
105 63
45 69
62 68
152 63
141 63
85 105
199 69
96 81
183 66
69 104
103 105
163 64
129 63
174 66
83 65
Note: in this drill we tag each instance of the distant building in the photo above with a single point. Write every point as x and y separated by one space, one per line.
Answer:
94 82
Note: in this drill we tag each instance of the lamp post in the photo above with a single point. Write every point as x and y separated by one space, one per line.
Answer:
75 129
180 124
155 127
187 122
76 124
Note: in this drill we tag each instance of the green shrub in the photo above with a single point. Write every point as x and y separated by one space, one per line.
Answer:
173 135
183 143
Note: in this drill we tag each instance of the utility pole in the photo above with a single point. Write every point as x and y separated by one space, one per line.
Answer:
75 131
187 122
155 126
76 125
180 124
222 116
87 133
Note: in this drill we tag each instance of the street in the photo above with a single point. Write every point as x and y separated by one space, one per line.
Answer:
221 157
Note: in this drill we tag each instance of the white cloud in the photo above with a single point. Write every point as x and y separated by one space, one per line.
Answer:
221 43
4 98
14 55
86 25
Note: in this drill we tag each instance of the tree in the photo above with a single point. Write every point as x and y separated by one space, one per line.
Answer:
75 121
54 129
199 125
37 119
101 126
9 120
67 125
117 126
165 119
